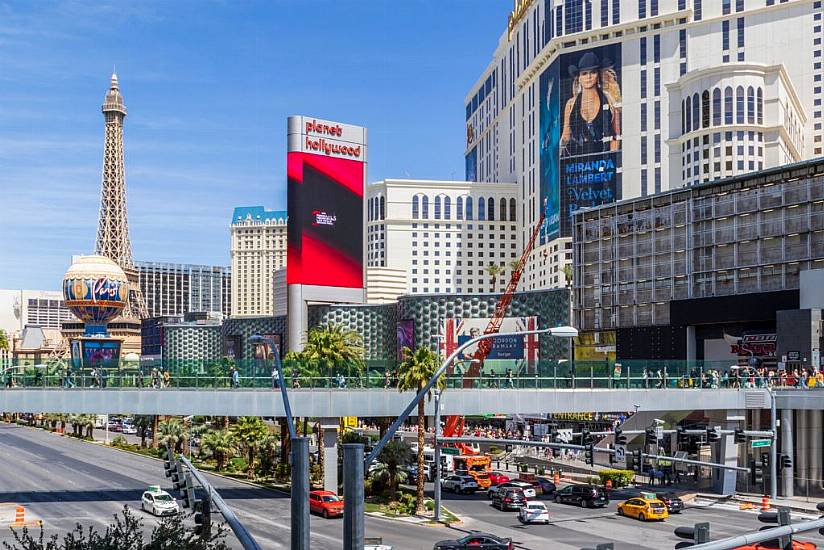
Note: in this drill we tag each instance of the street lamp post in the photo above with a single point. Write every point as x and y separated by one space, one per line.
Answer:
558 332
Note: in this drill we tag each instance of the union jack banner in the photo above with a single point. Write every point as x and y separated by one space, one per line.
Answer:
519 353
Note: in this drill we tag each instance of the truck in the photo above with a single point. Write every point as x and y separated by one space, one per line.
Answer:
477 466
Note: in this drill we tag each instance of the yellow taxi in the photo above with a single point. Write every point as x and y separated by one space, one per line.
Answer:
644 507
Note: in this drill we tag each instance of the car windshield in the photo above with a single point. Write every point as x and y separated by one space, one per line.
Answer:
331 498
535 506
163 498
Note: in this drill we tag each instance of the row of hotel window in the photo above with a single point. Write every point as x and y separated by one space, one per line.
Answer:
696 112
463 208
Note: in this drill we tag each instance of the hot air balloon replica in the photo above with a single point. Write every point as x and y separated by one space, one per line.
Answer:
95 289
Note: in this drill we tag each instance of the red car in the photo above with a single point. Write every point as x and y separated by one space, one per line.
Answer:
325 503
496 478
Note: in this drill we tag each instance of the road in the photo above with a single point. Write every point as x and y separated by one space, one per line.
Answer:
64 481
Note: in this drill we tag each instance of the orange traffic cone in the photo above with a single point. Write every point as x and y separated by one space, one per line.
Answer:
19 516
765 503
556 478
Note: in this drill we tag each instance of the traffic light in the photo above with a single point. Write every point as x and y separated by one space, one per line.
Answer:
611 456
178 479
649 436
508 448
620 438
756 473
589 454
786 461
739 436
203 517
169 464
637 459
712 435
189 499
765 460
553 434
586 437
699 534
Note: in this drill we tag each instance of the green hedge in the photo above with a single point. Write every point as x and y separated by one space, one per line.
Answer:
619 478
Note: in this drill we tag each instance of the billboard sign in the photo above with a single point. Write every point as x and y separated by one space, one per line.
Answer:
519 353
580 135
326 176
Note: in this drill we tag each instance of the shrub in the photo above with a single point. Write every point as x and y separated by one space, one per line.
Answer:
619 478
541 471
120 442
493 450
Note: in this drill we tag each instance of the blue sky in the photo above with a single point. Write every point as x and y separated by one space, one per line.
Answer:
208 86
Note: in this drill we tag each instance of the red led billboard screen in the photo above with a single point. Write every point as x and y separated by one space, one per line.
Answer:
325 233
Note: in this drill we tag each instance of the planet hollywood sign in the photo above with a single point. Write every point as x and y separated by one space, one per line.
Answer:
334 147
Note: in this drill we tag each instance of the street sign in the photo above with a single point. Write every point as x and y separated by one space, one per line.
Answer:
449 451
565 435
621 456
754 443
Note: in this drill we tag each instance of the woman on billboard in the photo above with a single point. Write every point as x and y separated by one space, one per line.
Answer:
592 116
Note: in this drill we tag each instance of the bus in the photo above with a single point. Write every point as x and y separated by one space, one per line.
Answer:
478 466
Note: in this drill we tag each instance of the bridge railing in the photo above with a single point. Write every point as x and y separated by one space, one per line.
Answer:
497 374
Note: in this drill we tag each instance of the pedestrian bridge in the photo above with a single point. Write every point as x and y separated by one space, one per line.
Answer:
389 402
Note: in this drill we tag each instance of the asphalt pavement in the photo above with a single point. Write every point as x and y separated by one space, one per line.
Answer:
64 481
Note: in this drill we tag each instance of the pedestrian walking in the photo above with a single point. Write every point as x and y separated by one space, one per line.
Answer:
235 378
510 382
167 378
275 378
387 379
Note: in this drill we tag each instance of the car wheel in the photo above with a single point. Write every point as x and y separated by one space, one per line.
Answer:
557 499
521 520
583 503
325 514
620 511
642 517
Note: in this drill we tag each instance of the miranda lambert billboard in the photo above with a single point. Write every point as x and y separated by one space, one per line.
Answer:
580 125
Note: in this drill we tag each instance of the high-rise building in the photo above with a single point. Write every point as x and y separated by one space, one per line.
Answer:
258 249
43 308
177 289
444 234
590 101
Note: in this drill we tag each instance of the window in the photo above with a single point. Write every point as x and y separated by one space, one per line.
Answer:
643 84
459 207
728 105
682 4
725 7
642 9
739 5
656 48
760 106
739 105
696 112
447 208
657 120
512 209
705 109
468 208
415 207
481 209
490 211
740 25
643 48
656 82
716 107
725 35
383 208
425 207
750 105
502 210
696 9
653 7
616 12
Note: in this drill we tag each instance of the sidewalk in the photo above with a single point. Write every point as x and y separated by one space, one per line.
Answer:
794 504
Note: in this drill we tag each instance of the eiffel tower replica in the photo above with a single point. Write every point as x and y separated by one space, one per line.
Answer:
113 225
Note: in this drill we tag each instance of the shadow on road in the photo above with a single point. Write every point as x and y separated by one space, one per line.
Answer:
122 495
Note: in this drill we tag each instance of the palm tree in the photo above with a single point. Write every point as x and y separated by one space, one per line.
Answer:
494 270
413 374
249 433
155 422
220 445
171 433
334 346
394 455
142 423
568 274
4 340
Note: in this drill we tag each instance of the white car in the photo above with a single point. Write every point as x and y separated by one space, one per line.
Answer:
159 502
527 488
534 512
129 429
460 484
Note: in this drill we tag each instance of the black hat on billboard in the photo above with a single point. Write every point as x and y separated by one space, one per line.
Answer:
589 62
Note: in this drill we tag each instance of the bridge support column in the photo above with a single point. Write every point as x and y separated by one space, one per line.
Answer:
328 445
725 480
787 449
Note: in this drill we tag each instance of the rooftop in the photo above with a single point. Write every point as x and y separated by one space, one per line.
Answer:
257 214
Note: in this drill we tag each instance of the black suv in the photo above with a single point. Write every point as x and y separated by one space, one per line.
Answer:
585 496
674 504
508 499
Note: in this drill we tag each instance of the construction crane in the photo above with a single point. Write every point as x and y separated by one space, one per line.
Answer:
453 425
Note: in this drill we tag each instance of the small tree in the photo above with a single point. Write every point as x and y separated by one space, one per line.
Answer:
394 455
4 340
249 432
220 445
171 433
